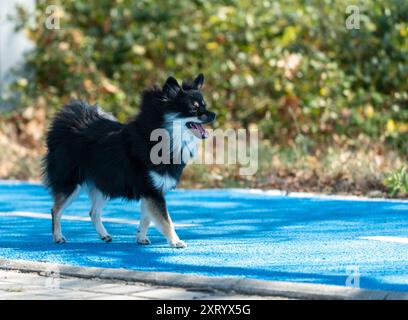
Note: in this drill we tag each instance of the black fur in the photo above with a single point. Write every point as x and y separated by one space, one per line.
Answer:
85 145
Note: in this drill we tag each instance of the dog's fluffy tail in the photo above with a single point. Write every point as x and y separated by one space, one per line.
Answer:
66 140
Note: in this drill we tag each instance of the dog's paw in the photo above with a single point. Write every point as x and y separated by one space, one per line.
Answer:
59 239
178 244
107 238
143 241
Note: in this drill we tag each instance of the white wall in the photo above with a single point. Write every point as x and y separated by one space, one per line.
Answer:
12 45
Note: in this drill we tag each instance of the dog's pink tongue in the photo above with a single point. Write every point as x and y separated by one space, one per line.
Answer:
199 131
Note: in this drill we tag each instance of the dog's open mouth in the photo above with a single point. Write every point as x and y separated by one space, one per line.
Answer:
197 129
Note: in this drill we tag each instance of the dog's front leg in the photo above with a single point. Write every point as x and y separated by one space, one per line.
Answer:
157 210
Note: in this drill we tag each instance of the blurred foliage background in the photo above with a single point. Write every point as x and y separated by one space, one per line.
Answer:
331 103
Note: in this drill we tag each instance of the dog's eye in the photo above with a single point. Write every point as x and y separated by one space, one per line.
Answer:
196 105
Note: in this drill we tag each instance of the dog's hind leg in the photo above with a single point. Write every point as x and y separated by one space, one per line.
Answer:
141 235
157 210
98 202
61 201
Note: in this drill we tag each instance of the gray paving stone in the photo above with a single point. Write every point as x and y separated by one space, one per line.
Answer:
34 297
33 286
22 278
17 287
77 283
4 295
116 297
241 297
77 295
171 293
397 296
117 288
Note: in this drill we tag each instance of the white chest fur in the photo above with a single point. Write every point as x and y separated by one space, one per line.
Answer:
163 182
184 146
183 142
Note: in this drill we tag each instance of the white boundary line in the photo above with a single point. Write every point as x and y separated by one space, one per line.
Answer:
387 239
308 195
47 216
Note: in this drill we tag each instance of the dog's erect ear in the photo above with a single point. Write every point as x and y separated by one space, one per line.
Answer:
171 88
198 82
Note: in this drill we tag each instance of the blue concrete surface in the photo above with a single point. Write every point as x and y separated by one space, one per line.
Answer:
228 232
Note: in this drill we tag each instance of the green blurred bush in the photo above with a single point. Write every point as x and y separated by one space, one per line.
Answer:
291 68
397 181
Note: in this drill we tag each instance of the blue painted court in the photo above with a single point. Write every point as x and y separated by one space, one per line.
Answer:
240 233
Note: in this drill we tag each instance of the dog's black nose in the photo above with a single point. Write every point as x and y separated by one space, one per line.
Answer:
207 117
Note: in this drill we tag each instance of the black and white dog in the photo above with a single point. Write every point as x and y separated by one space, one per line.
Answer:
88 148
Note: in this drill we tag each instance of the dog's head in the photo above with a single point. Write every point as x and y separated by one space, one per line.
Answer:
186 104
